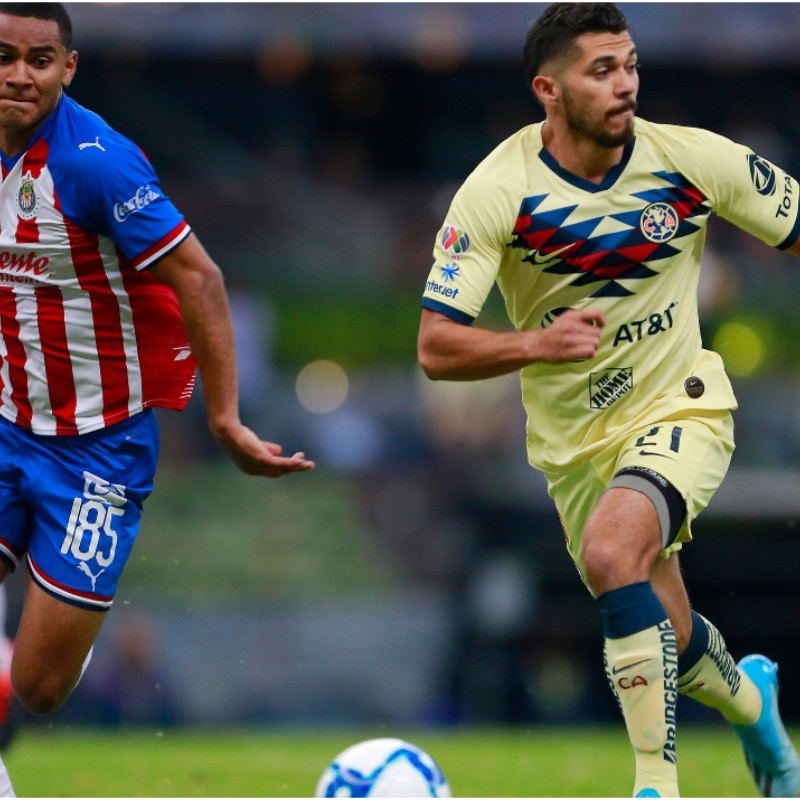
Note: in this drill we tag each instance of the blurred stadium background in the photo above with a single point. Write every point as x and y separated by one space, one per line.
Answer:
418 576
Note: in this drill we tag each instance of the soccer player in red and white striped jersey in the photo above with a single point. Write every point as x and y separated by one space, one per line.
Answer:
108 304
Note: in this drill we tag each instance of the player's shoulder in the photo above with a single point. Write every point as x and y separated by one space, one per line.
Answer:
513 151
684 138
84 140
504 171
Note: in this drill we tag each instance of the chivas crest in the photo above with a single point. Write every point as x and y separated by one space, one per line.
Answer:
27 199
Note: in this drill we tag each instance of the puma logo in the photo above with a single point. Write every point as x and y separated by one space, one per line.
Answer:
92 577
95 143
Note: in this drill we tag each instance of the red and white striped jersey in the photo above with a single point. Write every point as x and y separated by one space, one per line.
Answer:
88 337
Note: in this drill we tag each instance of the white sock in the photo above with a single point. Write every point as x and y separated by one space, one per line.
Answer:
6 789
85 664
83 668
3 609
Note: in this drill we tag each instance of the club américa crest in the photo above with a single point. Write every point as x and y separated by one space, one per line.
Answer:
659 222
27 198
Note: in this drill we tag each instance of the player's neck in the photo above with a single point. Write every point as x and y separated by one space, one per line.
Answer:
578 154
16 138
12 142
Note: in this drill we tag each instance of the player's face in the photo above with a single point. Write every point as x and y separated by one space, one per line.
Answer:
599 89
34 66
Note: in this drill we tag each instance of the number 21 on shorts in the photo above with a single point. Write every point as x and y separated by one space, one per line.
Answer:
659 438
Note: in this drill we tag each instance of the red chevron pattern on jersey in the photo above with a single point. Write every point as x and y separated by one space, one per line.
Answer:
565 248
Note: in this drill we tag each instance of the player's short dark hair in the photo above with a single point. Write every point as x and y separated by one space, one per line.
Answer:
46 11
556 30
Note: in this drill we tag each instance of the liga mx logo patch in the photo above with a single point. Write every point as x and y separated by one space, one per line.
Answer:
659 222
27 199
455 241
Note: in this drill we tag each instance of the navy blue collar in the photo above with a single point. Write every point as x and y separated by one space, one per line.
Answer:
581 183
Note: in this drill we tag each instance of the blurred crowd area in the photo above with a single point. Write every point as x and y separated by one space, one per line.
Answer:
318 179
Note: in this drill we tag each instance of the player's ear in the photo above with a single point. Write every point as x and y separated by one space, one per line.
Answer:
546 89
70 68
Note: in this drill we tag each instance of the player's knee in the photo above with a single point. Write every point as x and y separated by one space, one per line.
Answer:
601 565
40 695
609 564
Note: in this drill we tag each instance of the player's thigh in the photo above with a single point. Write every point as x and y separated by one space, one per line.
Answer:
621 539
52 641
88 497
692 455
576 494
16 515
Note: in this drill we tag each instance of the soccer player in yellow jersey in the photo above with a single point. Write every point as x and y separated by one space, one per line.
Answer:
592 223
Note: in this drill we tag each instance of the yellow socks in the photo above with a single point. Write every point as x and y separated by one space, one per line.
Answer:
641 656
709 675
643 669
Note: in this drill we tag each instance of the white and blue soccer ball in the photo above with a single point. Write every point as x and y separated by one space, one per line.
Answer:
383 768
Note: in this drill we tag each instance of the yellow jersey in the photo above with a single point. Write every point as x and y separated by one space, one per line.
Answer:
630 246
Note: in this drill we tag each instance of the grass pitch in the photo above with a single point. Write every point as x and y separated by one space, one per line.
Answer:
540 762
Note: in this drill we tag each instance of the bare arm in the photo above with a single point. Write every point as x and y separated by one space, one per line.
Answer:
448 350
198 282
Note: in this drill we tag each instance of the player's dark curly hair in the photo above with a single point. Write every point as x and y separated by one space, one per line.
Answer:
556 30
46 11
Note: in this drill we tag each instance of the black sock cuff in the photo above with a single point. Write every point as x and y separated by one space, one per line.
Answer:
698 645
630 609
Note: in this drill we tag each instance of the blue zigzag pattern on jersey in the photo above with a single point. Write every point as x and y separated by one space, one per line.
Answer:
593 257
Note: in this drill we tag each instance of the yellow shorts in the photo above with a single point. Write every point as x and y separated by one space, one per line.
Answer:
692 453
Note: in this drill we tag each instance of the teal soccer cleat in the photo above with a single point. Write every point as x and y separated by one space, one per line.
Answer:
769 752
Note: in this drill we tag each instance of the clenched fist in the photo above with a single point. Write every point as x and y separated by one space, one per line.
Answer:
574 336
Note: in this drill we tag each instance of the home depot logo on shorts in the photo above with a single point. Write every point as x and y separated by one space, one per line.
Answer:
608 386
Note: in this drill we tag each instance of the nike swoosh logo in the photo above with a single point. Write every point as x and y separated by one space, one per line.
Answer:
543 258
693 688
649 453
615 671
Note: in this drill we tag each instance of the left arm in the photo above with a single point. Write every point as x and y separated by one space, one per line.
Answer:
200 287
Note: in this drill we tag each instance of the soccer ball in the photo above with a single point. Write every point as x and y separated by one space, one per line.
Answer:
383 768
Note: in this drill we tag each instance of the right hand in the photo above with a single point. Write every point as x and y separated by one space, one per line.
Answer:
256 457
573 336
